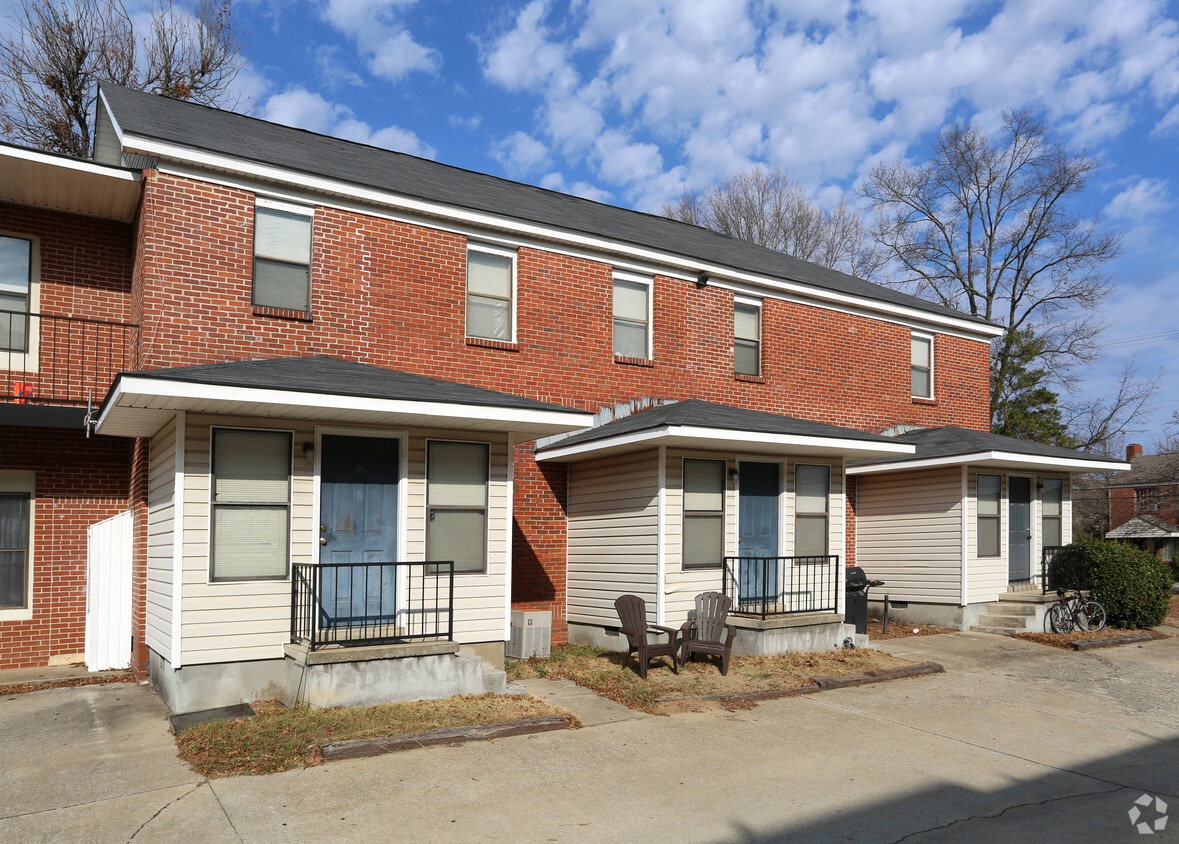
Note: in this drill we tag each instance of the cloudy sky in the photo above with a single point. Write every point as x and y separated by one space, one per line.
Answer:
632 101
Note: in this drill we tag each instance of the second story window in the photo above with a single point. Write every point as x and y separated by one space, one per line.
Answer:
282 257
489 293
16 256
632 317
746 338
921 366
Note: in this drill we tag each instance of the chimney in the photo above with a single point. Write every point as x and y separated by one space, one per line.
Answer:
1133 450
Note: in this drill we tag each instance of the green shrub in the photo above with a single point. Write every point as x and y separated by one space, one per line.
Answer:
1175 570
1133 585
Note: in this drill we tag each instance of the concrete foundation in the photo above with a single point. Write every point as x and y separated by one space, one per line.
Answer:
940 615
196 687
782 634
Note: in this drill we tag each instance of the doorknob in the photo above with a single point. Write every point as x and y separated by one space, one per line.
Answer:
323 540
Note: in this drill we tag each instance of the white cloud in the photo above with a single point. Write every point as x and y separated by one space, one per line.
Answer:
521 154
307 110
387 47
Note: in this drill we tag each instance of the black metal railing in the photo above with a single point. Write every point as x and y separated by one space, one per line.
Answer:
768 586
1064 567
46 359
351 604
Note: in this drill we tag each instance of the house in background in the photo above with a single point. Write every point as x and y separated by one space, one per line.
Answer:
369 400
1144 503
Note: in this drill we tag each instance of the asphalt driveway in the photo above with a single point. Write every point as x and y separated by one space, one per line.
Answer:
1015 742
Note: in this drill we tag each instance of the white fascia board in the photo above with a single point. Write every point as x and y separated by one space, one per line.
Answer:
111 116
176 152
88 167
160 388
707 436
990 458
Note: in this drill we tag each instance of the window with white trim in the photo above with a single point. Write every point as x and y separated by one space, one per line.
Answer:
282 257
632 318
812 489
704 513
16 268
989 503
15 538
921 366
490 287
746 338
1052 509
457 475
251 499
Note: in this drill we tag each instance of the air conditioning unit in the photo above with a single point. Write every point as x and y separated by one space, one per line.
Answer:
531 634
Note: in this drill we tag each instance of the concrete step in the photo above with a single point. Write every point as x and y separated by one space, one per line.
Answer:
1011 608
1027 597
1001 631
1014 622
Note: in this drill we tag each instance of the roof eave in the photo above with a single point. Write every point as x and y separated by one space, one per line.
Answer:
996 460
43 180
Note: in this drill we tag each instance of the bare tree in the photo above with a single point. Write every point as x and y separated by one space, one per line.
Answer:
57 51
766 207
1102 424
989 228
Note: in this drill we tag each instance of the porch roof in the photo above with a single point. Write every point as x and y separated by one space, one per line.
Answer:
1144 527
704 425
62 183
953 446
322 389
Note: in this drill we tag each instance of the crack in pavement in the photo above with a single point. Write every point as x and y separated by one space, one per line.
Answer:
1043 802
95 802
156 814
217 797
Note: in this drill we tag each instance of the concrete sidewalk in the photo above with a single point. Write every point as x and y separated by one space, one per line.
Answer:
1015 742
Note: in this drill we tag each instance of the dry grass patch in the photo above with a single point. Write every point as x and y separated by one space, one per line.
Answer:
279 739
604 673
1063 640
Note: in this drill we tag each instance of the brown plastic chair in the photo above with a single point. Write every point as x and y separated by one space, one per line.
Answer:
712 608
632 610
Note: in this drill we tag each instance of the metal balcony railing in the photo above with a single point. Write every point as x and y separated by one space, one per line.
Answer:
769 586
47 359
353 604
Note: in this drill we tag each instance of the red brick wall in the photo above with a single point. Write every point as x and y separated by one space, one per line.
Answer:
1125 503
392 294
79 482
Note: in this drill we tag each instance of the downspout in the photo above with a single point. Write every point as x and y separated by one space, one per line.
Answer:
963 543
661 541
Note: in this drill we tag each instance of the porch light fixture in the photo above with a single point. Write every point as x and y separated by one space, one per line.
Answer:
734 475
702 280
309 450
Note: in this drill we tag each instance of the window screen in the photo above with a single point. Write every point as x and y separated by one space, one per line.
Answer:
747 339
489 296
251 504
282 260
989 497
704 513
812 486
14 548
631 314
456 501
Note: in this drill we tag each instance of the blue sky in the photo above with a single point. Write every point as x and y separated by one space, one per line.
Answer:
631 102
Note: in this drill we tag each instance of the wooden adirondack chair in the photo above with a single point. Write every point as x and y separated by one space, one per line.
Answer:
712 608
632 610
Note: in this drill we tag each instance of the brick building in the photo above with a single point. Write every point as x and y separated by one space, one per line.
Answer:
1144 502
339 395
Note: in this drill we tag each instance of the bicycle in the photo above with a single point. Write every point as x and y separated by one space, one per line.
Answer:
1075 612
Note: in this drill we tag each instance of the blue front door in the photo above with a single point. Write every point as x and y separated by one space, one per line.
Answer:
358 524
758 531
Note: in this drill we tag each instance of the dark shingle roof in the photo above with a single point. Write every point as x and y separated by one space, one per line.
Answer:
952 441
251 139
327 375
1150 470
702 414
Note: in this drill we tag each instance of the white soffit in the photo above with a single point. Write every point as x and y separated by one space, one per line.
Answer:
997 460
138 407
718 439
41 180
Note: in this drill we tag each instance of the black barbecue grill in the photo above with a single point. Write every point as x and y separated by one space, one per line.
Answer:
856 609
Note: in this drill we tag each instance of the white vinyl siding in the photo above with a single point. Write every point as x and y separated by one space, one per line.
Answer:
612 535
909 534
161 510
244 620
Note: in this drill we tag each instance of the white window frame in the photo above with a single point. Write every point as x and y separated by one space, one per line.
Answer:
486 571
921 335
826 514
28 360
513 256
268 204
1044 518
649 283
998 517
23 482
209 579
756 304
685 513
